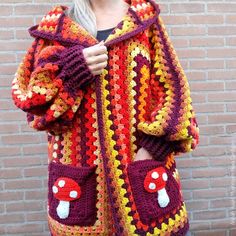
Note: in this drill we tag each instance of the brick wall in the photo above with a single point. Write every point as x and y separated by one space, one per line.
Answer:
203 33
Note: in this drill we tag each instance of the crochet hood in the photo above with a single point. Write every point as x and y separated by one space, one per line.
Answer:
56 25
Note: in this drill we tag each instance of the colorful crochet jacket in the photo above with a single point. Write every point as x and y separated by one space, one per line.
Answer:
96 124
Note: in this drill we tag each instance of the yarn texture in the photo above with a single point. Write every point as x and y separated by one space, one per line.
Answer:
96 124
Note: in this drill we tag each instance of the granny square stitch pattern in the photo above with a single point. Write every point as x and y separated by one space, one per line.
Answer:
96 124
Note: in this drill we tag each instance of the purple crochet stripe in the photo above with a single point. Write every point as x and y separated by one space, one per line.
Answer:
145 24
157 147
170 129
119 228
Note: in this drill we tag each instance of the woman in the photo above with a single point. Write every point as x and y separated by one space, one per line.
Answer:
116 113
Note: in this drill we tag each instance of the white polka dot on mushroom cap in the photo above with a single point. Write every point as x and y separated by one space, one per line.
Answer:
54 189
152 186
54 154
155 175
73 194
61 183
164 176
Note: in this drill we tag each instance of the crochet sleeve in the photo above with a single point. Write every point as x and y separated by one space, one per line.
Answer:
171 125
48 84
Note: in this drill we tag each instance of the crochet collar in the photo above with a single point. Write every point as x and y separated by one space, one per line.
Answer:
57 26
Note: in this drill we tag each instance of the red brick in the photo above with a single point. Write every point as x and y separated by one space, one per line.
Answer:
188 31
209 193
31 9
212 129
206 19
195 75
193 162
23 184
10 173
209 214
230 19
206 42
211 232
199 225
220 161
221 7
36 216
16 21
6 10
221 140
11 218
11 196
217 53
196 205
231 107
230 129
36 195
221 75
6 105
21 162
34 172
9 151
230 85
231 41
186 8
209 172
9 128
35 149
25 228
222 30
195 184
24 206
15 45
219 119
207 86
19 138
209 151
6 34
174 19
227 203
232 232
206 64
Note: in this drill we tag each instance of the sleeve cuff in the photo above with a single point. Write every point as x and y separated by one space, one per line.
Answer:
158 147
75 71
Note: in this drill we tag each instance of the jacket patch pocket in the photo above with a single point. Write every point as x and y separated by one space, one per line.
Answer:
72 194
156 192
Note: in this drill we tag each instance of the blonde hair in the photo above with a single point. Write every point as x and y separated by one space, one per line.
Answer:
81 12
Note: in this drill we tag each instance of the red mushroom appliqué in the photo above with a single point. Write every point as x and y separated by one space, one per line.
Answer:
155 181
65 190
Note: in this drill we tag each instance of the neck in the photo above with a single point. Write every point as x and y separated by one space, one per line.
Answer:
104 4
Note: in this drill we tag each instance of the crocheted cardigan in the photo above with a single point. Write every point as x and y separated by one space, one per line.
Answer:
96 124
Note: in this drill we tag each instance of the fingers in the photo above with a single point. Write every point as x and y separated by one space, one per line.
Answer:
97 59
95 50
97 67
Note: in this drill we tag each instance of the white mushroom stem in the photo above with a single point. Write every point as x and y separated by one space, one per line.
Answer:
163 198
63 209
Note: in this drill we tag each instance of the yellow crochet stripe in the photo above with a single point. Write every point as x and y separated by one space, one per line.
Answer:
186 107
66 149
133 50
158 126
128 26
161 120
99 226
112 153
172 223
131 93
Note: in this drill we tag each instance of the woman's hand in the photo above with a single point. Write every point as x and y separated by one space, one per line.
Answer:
142 154
96 57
